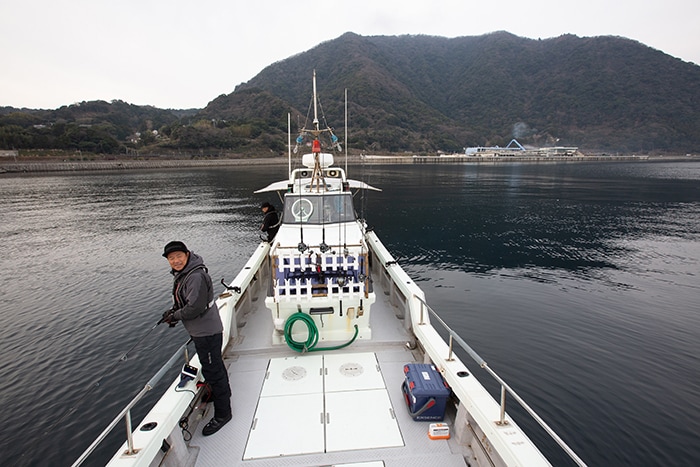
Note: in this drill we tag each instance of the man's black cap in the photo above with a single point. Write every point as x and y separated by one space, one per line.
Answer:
174 246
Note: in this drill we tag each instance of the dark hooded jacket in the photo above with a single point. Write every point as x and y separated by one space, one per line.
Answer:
271 222
193 294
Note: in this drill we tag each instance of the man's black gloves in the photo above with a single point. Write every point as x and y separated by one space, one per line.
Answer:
169 317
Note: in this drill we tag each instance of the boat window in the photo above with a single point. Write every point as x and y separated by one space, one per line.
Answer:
318 209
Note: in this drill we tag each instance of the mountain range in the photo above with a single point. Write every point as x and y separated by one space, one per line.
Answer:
419 94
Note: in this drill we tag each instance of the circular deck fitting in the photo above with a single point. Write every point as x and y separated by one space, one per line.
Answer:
294 373
351 369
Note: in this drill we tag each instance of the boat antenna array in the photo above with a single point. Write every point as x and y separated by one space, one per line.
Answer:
315 133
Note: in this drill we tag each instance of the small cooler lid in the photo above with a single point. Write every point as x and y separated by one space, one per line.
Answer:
425 379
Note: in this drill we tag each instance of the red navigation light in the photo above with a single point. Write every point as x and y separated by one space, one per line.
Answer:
316 147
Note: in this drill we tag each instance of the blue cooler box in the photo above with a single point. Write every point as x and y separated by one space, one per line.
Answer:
425 391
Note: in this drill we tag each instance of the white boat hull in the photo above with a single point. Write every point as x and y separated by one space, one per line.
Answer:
398 319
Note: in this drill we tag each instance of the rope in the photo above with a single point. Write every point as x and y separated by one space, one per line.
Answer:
310 344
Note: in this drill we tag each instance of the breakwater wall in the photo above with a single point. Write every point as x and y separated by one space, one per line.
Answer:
80 166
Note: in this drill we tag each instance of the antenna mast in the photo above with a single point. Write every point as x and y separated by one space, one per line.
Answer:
346 130
289 143
315 109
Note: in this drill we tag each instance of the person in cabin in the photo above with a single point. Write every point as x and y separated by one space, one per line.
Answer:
195 306
271 221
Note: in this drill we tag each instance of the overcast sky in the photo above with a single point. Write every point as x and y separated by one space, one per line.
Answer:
176 54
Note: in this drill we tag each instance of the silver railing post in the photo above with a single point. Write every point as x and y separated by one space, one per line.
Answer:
450 358
503 421
129 436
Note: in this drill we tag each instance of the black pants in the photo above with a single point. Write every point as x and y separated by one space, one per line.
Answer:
214 371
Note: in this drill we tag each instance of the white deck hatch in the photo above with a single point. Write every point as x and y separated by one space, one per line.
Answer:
286 425
330 403
360 420
294 375
351 372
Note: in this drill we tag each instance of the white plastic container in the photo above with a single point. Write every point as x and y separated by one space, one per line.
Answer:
438 431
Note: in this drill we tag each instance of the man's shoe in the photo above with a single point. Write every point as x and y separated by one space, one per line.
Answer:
215 424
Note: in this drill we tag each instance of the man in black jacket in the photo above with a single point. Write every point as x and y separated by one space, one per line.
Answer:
194 305
271 221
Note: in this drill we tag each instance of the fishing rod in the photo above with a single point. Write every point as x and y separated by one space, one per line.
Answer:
323 246
98 381
302 247
345 224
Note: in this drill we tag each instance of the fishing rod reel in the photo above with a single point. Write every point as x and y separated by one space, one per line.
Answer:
169 318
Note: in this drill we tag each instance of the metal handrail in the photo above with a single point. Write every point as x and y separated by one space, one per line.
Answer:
126 411
505 388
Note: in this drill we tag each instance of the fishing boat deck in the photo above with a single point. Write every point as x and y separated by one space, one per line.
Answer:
248 358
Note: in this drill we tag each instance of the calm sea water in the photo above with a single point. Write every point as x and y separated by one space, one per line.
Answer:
578 283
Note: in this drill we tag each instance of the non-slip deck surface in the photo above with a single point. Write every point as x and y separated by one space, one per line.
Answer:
288 411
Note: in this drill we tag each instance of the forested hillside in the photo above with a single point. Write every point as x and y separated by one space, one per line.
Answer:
419 94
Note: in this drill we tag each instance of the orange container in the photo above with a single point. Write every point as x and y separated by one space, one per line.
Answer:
438 431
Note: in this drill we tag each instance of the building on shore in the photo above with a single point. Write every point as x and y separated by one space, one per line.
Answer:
514 148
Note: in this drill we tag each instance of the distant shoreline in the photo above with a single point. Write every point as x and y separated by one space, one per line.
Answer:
12 167
84 166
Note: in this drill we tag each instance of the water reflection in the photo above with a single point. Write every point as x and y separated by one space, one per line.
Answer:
547 219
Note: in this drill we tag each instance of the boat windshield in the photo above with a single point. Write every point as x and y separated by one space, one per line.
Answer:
318 209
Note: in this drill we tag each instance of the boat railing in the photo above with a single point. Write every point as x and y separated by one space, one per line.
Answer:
505 388
126 411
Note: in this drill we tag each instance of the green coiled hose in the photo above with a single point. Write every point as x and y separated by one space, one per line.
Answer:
310 344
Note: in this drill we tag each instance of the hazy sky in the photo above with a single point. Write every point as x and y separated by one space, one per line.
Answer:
176 54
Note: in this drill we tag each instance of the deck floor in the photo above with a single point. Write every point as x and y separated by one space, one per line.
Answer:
248 360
